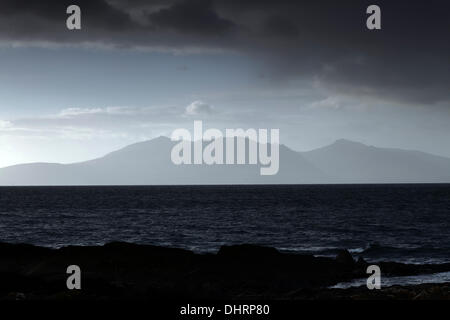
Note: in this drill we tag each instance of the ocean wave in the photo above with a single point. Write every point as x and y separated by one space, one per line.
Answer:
379 252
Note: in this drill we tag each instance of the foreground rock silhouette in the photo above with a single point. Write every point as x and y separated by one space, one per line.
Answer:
130 271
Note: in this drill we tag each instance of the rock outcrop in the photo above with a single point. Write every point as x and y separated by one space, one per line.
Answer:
123 271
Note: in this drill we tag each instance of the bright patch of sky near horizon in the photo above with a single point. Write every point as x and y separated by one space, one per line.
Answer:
71 104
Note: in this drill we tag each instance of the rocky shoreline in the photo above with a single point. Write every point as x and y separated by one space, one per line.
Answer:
245 272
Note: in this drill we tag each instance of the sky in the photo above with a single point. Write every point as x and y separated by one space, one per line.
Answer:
140 69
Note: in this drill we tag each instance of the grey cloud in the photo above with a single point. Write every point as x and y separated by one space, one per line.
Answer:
45 20
192 17
109 118
198 108
280 27
408 61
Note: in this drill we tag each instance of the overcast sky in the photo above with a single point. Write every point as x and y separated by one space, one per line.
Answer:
140 69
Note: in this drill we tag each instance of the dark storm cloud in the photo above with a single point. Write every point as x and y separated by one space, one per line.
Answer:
280 27
49 15
195 16
325 40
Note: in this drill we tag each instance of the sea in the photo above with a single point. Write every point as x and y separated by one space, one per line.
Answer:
407 223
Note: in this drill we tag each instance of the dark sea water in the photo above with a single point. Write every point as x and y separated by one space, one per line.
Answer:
407 223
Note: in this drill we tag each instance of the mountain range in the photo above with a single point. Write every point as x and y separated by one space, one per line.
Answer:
149 163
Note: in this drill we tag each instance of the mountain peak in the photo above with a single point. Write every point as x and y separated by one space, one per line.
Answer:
346 142
149 163
161 138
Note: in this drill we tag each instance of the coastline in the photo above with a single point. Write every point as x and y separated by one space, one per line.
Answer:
121 270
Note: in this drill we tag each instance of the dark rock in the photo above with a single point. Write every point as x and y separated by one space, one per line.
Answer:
361 261
129 271
361 264
248 252
345 258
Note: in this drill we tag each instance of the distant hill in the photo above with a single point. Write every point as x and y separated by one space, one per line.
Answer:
149 163
352 162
